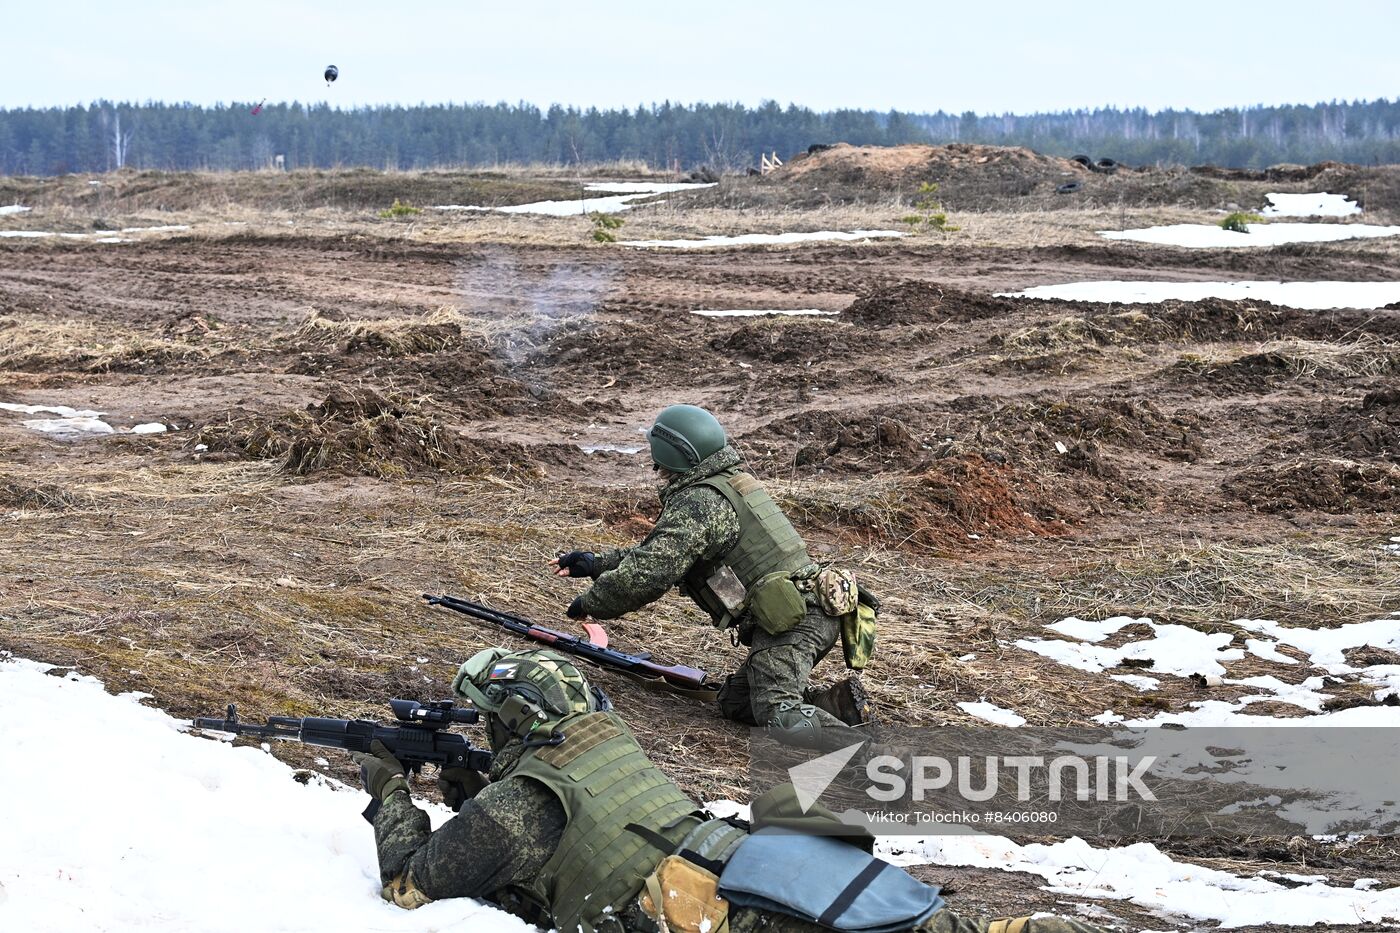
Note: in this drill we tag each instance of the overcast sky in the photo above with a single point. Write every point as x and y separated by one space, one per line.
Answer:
984 56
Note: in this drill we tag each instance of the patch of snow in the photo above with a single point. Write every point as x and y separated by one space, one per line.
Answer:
1137 681
624 193
1309 296
992 713
153 427
69 427
1393 546
1182 651
749 312
1144 875
63 411
608 448
765 239
1310 205
1324 646
13 209
209 814
25 233
1211 236
1173 649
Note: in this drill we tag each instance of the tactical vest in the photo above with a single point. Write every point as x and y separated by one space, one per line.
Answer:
767 544
605 784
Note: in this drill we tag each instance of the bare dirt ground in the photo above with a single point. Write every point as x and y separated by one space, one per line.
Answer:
367 411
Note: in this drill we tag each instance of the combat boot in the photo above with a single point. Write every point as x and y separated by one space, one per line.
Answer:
846 700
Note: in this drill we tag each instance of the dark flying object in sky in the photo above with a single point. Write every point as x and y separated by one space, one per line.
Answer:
332 73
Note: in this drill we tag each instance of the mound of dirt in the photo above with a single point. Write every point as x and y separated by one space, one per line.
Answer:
902 167
1323 485
918 302
787 340
1371 429
842 440
357 432
431 333
1136 424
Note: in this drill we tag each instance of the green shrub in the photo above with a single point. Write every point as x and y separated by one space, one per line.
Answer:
399 209
603 227
1239 221
933 217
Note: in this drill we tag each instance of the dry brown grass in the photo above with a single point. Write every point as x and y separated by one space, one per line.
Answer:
30 344
400 336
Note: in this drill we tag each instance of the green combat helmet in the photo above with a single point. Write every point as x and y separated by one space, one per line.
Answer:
684 435
522 692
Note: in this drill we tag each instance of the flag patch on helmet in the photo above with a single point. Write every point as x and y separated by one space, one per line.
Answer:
504 671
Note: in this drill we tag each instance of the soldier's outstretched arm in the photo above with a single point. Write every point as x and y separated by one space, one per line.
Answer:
502 837
696 523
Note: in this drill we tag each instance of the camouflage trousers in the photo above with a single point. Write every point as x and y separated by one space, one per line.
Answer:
771 687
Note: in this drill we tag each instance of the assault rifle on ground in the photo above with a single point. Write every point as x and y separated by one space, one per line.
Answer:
422 739
679 678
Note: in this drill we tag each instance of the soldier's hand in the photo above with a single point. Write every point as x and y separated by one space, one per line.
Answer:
458 785
576 564
380 772
576 610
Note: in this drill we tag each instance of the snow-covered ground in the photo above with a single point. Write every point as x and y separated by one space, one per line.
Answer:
1181 651
1211 236
116 820
13 209
621 197
765 239
1306 295
1312 204
152 829
1144 875
758 312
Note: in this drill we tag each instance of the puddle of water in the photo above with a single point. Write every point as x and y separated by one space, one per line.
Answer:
764 239
1210 236
749 312
1315 204
1310 296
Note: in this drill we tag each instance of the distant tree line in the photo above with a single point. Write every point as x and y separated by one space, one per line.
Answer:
105 135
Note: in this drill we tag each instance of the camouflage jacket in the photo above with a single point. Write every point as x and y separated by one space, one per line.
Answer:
695 524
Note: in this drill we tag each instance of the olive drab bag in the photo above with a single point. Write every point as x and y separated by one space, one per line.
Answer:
858 631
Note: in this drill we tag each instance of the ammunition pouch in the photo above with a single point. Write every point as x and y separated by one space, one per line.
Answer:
683 897
775 605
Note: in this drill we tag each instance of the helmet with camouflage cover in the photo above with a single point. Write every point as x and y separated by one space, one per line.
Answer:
521 692
684 435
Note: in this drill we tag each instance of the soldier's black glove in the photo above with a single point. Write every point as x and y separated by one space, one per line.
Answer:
380 772
458 785
579 563
576 610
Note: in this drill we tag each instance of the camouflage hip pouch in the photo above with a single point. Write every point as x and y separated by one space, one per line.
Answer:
836 591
